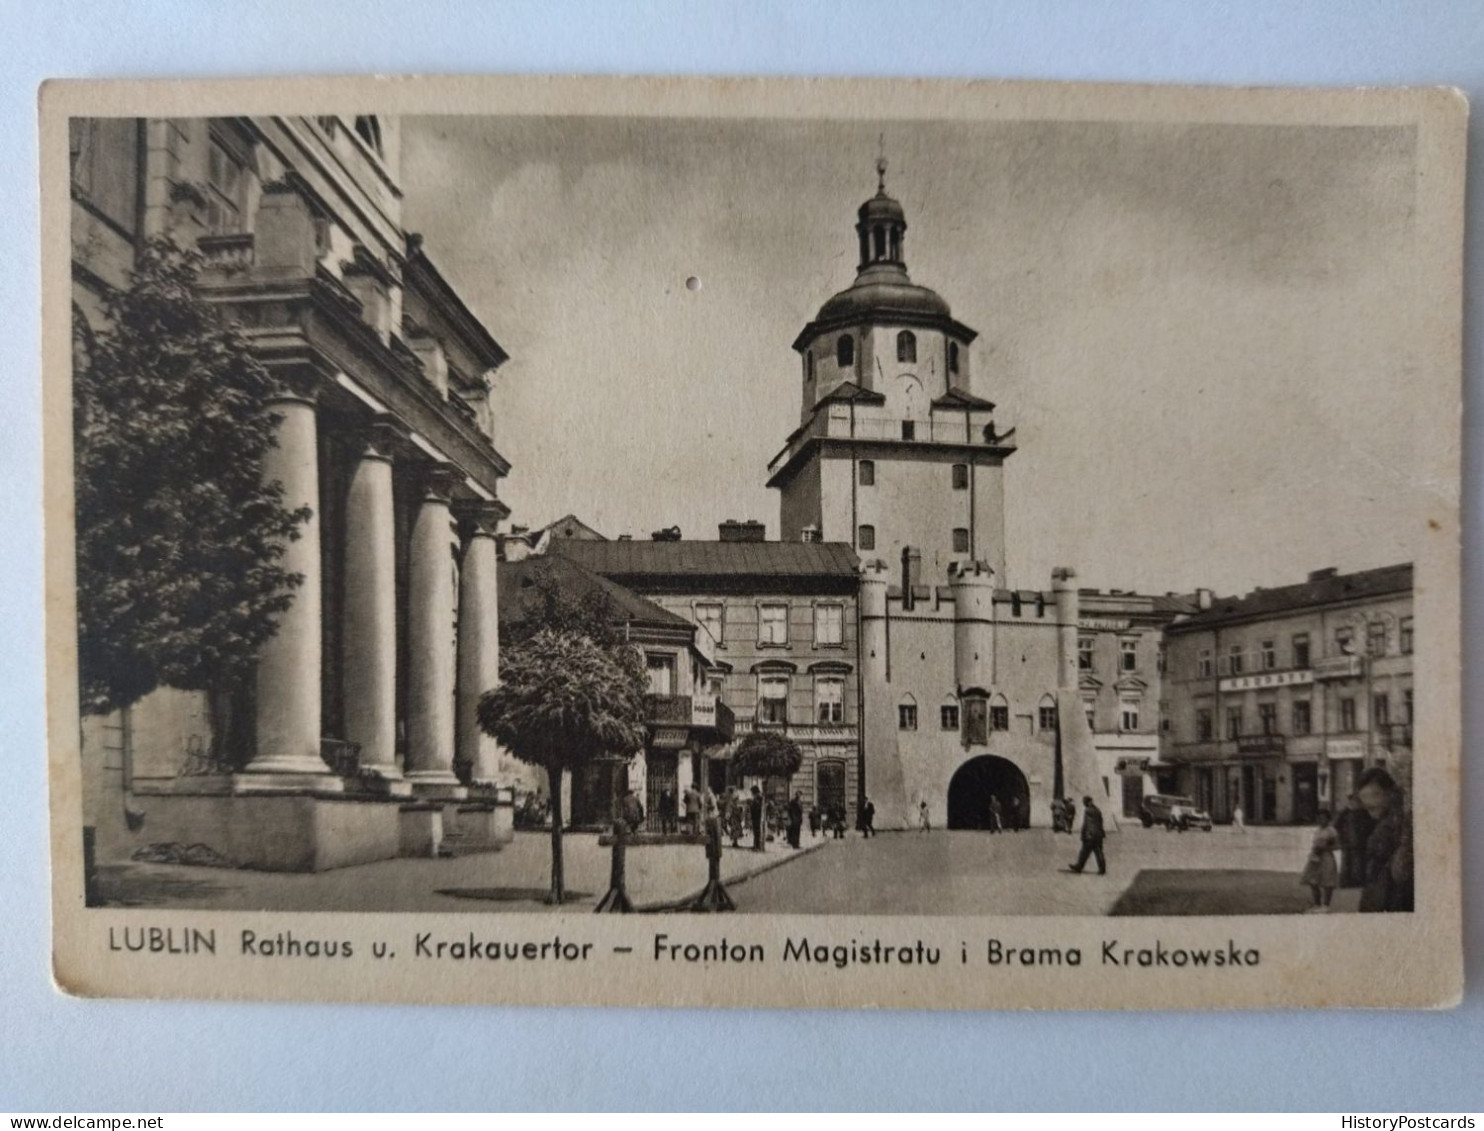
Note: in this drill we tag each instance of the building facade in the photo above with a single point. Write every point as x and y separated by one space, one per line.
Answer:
1120 673
686 719
1279 699
358 738
781 621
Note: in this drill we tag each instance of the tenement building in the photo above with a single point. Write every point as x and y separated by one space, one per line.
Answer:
358 739
969 687
779 622
1277 700
687 722
1120 672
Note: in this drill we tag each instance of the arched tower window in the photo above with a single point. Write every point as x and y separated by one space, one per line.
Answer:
907 346
880 237
1046 713
953 357
845 351
809 366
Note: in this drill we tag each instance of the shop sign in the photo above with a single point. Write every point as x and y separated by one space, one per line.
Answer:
1266 679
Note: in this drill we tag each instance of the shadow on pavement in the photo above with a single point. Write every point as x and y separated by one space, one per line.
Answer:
1211 891
124 885
514 895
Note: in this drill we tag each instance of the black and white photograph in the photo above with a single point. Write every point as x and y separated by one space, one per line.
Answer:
911 527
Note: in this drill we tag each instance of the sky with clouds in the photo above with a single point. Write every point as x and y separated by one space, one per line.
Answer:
1203 333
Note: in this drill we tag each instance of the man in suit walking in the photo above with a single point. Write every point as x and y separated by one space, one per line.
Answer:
1092 837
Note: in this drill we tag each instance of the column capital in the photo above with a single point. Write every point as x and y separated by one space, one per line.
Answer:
381 437
439 481
301 386
479 517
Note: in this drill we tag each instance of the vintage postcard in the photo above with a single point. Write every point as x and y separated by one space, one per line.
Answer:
691 542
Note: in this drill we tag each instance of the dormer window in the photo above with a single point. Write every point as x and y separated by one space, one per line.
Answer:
907 347
845 351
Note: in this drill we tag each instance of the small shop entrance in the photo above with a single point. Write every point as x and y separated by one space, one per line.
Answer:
1305 792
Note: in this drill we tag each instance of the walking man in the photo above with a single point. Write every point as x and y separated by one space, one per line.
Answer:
692 810
795 819
755 811
996 817
924 822
868 818
1092 837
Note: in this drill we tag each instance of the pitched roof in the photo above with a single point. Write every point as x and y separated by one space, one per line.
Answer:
847 391
957 398
569 526
697 558
1322 588
520 599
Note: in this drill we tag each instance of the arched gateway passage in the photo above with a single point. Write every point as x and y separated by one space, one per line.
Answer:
979 779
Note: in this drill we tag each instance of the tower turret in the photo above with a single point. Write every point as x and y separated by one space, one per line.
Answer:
972 584
1064 588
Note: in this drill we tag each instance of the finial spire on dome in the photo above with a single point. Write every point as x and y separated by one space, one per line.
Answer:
881 166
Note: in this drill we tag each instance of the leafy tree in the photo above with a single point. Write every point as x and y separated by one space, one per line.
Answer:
565 699
178 538
767 754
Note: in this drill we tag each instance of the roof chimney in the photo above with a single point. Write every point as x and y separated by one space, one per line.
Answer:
911 571
669 534
750 531
1204 598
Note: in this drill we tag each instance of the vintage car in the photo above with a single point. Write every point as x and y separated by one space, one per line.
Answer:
1173 812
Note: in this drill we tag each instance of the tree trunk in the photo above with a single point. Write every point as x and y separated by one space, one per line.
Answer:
558 892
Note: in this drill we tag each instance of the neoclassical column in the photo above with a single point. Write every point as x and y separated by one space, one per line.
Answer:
369 609
479 640
287 750
430 640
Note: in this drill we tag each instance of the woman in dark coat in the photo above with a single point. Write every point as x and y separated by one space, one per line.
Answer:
1388 850
1353 824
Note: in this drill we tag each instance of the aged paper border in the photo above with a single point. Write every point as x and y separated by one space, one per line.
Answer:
1379 961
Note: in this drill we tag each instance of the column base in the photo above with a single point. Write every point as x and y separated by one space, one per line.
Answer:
437 785
253 780
388 783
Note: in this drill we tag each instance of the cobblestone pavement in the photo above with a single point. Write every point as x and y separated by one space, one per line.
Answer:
1025 873
901 873
514 879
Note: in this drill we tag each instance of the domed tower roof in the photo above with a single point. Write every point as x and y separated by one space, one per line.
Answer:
883 290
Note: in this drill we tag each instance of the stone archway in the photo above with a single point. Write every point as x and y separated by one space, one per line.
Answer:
979 779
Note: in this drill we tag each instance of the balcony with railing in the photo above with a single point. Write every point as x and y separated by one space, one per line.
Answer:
707 715
1261 744
668 710
1339 667
1396 736
945 427
229 253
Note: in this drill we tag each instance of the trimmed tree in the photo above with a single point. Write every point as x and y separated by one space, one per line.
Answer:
564 700
767 754
178 537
